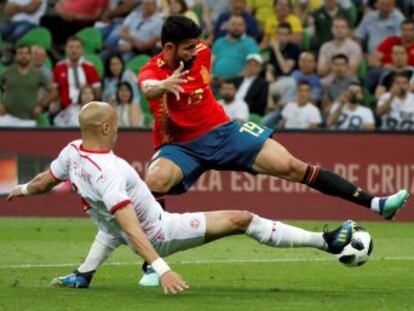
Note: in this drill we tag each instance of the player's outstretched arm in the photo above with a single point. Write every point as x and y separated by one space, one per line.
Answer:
171 282
42 183
153 89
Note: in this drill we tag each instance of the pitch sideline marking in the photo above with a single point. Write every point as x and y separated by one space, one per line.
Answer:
201 262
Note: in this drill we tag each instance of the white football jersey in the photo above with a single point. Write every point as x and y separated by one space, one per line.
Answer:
106 183
353 119
298 117
401 115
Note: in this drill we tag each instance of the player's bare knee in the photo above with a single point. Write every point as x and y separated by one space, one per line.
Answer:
240 220
295 169
158 182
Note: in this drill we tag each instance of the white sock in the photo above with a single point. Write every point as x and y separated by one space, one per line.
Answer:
375 205
98 253
278 234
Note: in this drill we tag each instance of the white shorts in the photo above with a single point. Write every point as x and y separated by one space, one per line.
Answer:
178 232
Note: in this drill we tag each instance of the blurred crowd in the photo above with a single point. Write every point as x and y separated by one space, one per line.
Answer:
294 64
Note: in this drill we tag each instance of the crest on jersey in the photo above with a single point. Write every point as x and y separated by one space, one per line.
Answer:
194 223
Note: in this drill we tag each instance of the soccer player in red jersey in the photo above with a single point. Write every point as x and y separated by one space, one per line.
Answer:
192 134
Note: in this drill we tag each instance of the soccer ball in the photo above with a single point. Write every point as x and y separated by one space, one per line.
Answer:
358 251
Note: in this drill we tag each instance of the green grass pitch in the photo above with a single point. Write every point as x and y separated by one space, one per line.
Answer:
232 274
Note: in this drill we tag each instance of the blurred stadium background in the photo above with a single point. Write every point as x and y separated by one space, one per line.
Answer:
356 117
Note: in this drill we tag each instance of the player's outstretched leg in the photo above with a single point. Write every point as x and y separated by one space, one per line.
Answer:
275 233
100 250
273 159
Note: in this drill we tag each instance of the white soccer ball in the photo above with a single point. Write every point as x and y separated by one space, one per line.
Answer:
358 251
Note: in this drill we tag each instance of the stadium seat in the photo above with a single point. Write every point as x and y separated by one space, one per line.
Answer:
97 61
256 118
362 69
353 11
138 62
91 39
37 36
307 40
148 120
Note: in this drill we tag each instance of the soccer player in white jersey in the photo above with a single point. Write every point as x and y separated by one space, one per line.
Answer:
348 113
125 211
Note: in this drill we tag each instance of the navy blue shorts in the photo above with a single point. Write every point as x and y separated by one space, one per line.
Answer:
232 146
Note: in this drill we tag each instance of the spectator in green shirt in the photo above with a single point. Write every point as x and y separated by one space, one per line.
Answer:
20 84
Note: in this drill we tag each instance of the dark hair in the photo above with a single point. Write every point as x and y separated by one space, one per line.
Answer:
183 3
400 75
407 22
340 18
304 82
289 2
178 28
340 56
128 86
74 38
82 89
23 46
232 81
108 65
285 26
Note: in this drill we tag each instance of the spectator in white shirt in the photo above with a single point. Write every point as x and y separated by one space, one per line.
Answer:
23 15
236 109
348 113
396 108
301 114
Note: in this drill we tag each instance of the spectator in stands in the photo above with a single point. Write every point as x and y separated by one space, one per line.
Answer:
215 7
284 54
376 25
74 72
116 72
70 116
129 114
341 44
180 7
399 65
236 109
39 60
304 8
253 87
23 15
230 52
21 83
301 114
348 113
262 10
396 108
382 55
285 88
282 14
340 82
114 15
72 16
321 22
237 7
140 33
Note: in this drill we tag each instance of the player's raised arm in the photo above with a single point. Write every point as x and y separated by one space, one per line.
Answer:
153 89
42 183
127 218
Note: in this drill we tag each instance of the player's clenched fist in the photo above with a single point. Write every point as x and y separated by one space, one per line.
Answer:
172 283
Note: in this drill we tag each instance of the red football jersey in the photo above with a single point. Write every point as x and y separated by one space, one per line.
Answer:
197 111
